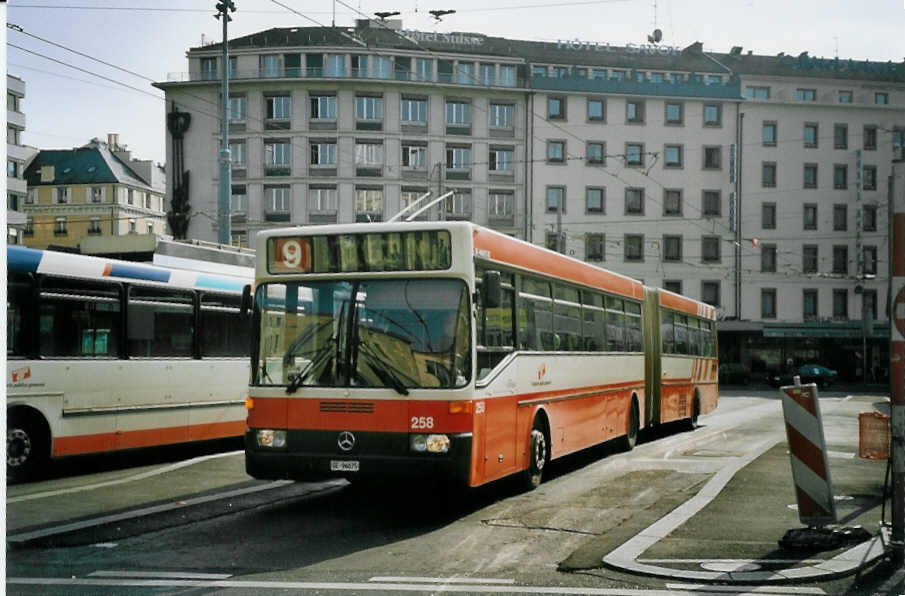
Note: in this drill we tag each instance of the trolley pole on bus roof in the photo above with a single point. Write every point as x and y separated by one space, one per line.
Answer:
897 356
224 233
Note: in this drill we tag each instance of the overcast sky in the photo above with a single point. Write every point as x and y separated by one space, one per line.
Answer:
66 108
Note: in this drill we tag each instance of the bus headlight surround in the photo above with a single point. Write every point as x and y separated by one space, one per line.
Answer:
271 439
429 443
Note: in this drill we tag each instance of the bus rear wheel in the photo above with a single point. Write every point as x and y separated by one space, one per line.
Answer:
26 446
634 423
695 412
537 458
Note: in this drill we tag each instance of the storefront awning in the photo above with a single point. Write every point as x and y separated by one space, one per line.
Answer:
827 329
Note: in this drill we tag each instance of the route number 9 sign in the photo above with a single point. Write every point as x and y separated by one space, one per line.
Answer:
290 255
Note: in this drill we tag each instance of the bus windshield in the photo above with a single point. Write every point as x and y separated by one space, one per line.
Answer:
394 333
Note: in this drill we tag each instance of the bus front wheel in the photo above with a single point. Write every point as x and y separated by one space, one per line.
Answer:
26 445
537 458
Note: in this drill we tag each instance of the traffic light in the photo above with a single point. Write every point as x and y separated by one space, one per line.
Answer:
223 6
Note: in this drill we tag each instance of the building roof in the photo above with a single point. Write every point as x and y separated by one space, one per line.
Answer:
92 164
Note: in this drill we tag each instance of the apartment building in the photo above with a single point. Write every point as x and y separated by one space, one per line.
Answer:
16 158
648 159
97 190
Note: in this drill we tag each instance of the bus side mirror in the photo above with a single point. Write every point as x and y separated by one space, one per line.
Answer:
246 300
491 290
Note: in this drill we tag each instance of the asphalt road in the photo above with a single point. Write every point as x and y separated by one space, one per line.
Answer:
203 527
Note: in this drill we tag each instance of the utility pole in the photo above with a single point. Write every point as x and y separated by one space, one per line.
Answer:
859 254
224 233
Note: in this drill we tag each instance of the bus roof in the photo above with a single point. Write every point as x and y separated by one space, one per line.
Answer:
686 305
20 259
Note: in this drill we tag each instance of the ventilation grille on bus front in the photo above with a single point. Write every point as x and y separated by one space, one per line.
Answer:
351 407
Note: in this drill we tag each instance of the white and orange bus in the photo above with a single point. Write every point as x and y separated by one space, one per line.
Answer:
444 347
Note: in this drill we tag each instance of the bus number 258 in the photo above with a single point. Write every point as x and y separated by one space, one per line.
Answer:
419 422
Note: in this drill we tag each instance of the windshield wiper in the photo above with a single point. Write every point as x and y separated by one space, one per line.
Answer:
383 369
296 380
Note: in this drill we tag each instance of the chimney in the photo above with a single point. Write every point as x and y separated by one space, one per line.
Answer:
112 141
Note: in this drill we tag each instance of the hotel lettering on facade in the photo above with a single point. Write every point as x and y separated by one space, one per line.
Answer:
732 178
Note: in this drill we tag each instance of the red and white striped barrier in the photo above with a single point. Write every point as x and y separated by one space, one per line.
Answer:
807 453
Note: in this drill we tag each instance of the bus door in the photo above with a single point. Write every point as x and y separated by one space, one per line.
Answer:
653 369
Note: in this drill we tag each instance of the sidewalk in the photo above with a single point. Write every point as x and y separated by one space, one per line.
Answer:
729 532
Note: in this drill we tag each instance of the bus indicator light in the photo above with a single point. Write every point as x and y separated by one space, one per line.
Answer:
249 404
460 407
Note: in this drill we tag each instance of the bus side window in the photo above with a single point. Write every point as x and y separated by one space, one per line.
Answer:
667 331
633 326
594 317
495 336
682 334
224 332
161 322
79 319
535 315
567 319
19 304
615 324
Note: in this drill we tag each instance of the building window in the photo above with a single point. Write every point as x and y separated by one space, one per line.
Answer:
501 160
810 135
869 179
488 74
870 260
277 158
270 65
132 226
672 202
768 303
12 135
634 154
59 226
881 99
672 249
501 115
414 110
556 108
672 156
840 259
238 199
209 69
551 241
617 75
369 108
840 176
31 197
368 204
323 107
806 94
768 216
710 292
809 305
768 258
757 92
465 73
279 107
845 97
97 194
237 109
809 258
712 203
94 226
768 134
594 247
501 205
634 201
458 159
538 71
508 75
556 196
634 247
596 110
380 67
276 199
62 195
323 153
675 113
713 158
322 200
810 175
840 304
713 114
369 155
870 218
12 102
840 217
869 304
710 249
595 153
673 285
870 137
595 199
414 157
237 154
840 136
768 174
458 113
556 151
458 206
810 216
634 111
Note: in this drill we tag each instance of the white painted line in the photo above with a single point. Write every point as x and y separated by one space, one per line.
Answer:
745 589
247 586
443 580
160 574
841 454
97 521
133 478
758 561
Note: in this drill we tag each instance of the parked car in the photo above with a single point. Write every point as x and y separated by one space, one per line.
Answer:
809 373
734 373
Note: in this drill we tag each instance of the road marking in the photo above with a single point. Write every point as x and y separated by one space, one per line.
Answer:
160 574
745 589
133 478
344 586
443 580
97 521
841 454
757 561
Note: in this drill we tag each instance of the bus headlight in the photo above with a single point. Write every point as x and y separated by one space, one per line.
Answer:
272 439
429 443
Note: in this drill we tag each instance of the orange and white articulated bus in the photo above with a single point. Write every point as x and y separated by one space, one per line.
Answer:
405 349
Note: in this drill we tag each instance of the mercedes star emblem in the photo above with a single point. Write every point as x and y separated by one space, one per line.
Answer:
346 441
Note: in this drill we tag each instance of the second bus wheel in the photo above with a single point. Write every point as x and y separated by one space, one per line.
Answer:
537 457
26 445
634 423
